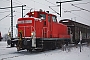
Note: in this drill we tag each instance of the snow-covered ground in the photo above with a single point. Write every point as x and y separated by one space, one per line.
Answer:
58 54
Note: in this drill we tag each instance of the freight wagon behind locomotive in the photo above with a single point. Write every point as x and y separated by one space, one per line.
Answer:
74 30
41 31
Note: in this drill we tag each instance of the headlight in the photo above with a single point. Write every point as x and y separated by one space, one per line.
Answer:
31 33
9 33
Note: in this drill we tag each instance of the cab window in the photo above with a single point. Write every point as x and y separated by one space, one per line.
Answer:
54 18
49 19
43 16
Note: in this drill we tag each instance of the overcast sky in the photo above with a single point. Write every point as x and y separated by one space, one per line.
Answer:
82 16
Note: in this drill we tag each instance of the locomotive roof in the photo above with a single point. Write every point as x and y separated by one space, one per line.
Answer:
36 12
44 12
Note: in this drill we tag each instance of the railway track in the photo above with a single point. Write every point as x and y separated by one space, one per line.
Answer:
11 57
14 54
6 56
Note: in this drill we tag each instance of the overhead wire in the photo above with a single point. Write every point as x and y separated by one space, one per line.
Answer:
54 10
77 15
72 13
39 3
20 3
52 6
50 2
82 3
33 1
17 3
63 8
80 8
4 11
17 11
55 4
5 1
71 10
13 2
4 17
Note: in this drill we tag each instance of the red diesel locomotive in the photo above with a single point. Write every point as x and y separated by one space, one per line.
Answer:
41 31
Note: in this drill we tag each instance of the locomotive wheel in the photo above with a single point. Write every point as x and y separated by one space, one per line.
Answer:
8 42
12 44
30 50
40 50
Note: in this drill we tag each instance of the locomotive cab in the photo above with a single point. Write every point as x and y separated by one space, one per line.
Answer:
29 29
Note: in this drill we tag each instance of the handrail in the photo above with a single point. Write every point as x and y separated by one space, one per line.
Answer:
44 31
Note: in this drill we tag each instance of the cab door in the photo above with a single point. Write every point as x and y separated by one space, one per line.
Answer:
49 26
